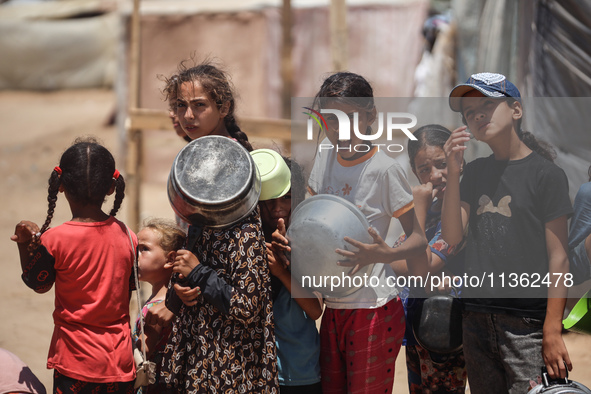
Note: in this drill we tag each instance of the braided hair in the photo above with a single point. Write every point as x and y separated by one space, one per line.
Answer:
217 84
86 172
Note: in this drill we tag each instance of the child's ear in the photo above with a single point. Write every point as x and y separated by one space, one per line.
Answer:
517 110
225 109
170 256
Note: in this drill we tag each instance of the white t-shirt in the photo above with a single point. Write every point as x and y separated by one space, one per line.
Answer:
376 184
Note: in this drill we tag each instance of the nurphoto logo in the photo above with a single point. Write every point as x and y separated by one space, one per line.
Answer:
388 122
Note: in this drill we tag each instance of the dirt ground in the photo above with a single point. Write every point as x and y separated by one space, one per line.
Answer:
36 128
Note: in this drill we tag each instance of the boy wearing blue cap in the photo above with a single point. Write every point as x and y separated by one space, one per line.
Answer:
516 203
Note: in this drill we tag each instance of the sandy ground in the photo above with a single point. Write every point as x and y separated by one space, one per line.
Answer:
36 128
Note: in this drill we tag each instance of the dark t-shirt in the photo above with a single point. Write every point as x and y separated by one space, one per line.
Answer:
510 203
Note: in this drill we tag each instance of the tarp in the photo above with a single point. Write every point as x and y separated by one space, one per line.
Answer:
58 54
384 45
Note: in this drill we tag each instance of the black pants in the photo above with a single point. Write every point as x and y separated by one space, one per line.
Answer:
315 388
65 385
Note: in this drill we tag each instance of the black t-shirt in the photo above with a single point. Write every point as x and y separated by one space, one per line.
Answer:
510 203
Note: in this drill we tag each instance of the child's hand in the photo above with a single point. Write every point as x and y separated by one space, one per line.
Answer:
280 242
423 195
187 294
159 315
24 232
367 253
277 265
554 352
183 263
454 149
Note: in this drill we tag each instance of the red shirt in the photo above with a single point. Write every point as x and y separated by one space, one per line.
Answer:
92 338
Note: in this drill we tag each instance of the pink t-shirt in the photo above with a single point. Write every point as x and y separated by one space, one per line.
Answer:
16 376
92 337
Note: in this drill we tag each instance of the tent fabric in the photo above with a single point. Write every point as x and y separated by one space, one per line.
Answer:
58 54
248 44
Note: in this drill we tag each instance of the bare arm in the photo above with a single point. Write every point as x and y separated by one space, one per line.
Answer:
23 236
414 245
455 213
308 301
553 348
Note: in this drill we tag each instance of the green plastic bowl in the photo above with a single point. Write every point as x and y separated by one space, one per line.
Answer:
579 318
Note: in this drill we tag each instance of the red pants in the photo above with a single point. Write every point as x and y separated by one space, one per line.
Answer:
358 348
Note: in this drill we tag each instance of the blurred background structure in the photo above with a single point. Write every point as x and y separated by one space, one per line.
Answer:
74 67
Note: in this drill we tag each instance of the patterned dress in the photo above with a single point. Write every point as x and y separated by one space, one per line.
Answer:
233 351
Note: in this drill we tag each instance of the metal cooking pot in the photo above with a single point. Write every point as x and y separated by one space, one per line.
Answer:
317 227
437 324
558 386
213 182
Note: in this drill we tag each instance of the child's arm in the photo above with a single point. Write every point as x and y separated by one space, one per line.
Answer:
455 213
23 236
38 267
152 335
553 348
414 246
309 303
243 295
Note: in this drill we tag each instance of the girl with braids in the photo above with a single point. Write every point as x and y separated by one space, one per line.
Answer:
515 204
222 339
430 372
361 333
90 259
203 98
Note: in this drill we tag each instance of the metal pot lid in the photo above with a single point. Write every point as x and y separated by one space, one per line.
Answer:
213 170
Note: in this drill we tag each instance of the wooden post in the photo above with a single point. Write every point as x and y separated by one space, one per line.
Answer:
338 34
286 64
135 138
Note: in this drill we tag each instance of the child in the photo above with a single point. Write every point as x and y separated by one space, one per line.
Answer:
175 119
294 308
204 101
158 242
517 204
90 260
361 334
225 340
427 372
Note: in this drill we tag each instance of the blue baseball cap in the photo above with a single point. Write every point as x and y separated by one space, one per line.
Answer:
489 84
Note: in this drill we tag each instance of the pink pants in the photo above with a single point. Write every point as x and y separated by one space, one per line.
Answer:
358 348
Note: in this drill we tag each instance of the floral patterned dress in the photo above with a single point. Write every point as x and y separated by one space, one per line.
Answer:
226 351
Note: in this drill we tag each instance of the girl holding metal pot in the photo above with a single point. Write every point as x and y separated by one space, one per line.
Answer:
430 371
222 340
361 333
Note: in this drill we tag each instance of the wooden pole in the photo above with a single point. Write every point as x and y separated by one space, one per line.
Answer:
135 138
286 64
338 34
